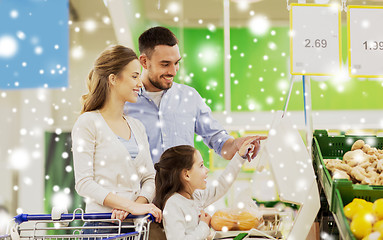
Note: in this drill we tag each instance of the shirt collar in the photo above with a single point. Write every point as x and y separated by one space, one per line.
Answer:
142 91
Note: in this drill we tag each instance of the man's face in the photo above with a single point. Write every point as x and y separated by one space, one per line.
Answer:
163 66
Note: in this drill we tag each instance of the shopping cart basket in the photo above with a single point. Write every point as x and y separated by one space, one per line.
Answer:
44 226
5 237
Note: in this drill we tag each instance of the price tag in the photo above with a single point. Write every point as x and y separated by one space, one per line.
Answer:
315 39
365 41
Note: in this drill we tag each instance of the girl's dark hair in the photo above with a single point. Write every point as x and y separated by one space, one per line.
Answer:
153 37
169 169
111 61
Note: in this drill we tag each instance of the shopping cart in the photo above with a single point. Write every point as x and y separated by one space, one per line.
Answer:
45 226
5 237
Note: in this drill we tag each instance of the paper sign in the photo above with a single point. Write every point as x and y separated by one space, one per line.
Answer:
365 41
315 39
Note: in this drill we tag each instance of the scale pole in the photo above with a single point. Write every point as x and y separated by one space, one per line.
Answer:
307 111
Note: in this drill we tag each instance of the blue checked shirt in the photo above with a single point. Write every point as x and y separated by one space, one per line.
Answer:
181 113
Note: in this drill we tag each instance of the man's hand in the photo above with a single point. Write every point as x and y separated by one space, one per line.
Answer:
231 146
253 145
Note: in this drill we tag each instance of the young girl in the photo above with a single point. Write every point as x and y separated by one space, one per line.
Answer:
112 165
181 189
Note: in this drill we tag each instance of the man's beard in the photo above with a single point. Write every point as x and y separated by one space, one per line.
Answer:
159 85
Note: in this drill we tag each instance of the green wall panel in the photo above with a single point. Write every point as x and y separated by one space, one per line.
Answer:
260 73
59 176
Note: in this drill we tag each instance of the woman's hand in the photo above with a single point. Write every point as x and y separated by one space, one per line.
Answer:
205 217
250 146
119 214
116 202
139 209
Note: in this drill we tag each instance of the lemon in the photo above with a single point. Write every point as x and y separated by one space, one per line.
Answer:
373 236
360 227
359 201
366 214
378 208
368 206
357 205
378 227
350 210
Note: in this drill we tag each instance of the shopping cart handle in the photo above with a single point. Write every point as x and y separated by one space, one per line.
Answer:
87 216
151 217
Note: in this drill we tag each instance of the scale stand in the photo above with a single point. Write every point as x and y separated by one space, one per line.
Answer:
291 167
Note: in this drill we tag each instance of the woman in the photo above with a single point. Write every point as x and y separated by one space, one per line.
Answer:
112 164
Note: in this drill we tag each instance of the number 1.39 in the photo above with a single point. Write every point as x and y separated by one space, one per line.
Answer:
373 45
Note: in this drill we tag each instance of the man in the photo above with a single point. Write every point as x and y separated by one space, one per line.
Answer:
173 112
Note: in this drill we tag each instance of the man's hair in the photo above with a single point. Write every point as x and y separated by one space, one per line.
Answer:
153 37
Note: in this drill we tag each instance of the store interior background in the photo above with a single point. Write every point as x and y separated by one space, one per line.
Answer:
35 158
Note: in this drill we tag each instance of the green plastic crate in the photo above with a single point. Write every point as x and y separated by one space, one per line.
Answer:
327 147
344 194
340 218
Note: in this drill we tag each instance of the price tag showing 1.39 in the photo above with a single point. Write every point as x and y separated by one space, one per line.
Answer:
315 39
365 41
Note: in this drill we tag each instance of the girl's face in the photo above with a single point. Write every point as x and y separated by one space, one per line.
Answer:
129 83
198 173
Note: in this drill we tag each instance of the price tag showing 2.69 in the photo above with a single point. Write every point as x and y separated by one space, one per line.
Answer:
365 41
315 39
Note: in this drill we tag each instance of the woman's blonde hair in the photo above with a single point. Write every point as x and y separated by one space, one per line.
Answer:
111 61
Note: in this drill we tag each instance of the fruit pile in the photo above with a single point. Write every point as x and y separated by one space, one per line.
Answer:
366 218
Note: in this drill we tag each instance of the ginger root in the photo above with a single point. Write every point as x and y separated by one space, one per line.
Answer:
354 158
339 174
357 145
359 174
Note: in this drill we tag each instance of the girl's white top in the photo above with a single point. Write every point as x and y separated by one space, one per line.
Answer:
181 215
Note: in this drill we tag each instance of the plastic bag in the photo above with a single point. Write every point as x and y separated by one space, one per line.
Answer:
244 216
234 219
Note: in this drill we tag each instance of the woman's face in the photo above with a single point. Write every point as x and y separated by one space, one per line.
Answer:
198 173
128 82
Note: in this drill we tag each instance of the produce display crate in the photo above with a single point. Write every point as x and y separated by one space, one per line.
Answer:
340 218
327 147
344 194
